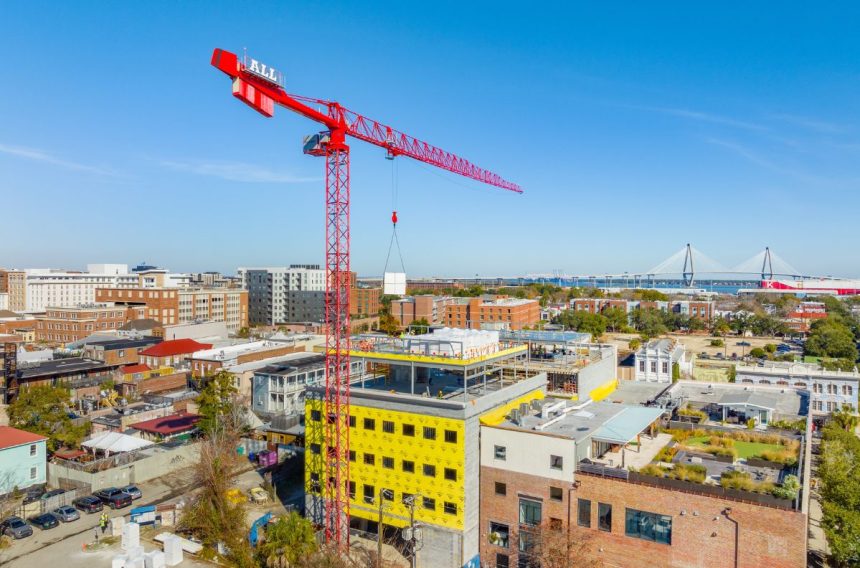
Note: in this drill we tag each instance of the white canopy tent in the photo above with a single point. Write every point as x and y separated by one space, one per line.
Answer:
115 443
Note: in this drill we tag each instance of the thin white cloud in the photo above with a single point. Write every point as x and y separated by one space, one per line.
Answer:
757 159
707 117
814 124
236 171
44 157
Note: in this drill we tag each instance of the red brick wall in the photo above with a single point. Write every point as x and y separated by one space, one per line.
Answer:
770 537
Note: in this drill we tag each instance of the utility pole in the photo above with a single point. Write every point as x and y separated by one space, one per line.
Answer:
379 530
412 540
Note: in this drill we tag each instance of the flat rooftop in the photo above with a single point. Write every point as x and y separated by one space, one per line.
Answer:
636 392
785 401
600 421
62 367
298 362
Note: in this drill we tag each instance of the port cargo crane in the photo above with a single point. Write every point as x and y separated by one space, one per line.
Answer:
262 87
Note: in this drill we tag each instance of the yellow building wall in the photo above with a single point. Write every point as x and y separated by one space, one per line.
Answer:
497 415
399 447
603 390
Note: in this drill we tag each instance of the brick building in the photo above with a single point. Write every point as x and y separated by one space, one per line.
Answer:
429 307
498 312
68 324
14 283
183 305
118 351
541 471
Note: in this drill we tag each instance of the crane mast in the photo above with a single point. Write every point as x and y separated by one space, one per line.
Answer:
261 87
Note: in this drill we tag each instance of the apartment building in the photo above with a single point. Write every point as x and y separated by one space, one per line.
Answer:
118 352
426 306
828 390
702 310
174 305
14 283
68 324
364 301
284 294
554 472
492 313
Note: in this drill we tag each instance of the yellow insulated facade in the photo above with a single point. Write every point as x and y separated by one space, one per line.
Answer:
404 453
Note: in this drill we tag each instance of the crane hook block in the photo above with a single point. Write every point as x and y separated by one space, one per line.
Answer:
394 217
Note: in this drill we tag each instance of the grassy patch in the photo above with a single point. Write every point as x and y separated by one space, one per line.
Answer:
742 449
684 472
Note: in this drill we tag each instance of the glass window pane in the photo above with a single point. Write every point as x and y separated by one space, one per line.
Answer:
583 518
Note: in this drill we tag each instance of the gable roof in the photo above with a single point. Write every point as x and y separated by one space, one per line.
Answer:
131 369
11 437
175 347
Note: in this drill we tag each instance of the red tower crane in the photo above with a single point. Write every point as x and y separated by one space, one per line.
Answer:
261 87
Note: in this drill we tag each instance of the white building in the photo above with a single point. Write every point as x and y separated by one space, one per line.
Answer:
280 387
59 288
4 300
283 294
828 390
654 360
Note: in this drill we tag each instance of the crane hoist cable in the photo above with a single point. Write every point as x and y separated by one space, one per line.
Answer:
394 240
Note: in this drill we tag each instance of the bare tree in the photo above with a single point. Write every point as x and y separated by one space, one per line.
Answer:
551 545
211 516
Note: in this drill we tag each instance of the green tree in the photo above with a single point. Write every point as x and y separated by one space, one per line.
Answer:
244 333
758 353
840 490
583 321
45 410
216 401
721 327
676 372
388 324
291 539
649 322
634 344
845 418
831 337
650 295
732 374
770 348
616 318
422 324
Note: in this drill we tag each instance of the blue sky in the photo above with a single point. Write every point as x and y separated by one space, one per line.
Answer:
633 127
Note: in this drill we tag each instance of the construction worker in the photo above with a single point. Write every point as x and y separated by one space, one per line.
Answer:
103 522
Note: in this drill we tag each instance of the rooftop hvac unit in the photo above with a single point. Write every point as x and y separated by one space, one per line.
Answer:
524 408
515 416
394 283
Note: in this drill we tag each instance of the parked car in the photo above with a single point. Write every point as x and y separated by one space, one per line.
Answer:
88 504
67 513
45 521
33 494
114 497
133 492
52 493
16 528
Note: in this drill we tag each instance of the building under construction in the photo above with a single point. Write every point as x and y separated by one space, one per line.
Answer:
414 430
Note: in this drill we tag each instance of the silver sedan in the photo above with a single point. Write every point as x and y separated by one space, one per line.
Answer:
67 513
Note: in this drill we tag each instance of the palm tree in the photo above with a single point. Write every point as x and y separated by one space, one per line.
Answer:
846 418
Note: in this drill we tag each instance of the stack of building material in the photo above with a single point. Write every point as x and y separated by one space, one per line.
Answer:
116 526
394 283
154 559
172 550
464 343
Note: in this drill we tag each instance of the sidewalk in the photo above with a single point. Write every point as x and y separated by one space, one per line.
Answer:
817 550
